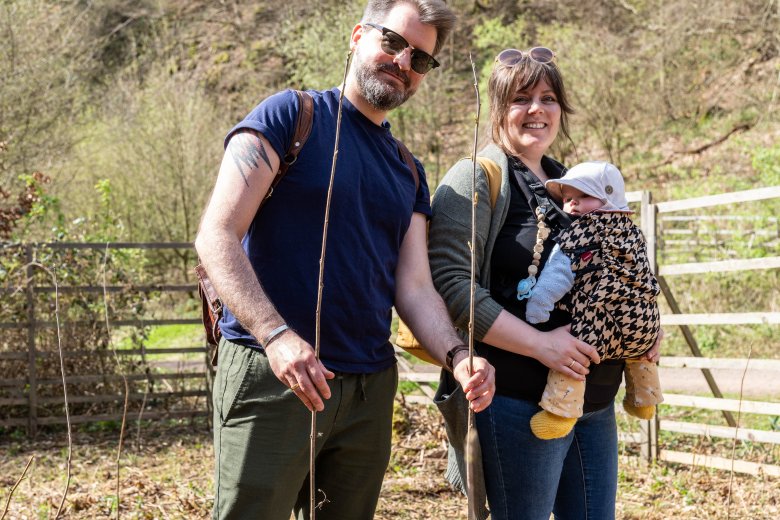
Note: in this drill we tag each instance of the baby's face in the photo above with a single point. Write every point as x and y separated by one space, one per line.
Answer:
576 202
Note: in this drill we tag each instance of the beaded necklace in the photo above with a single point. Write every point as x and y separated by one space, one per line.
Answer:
526 285
545 210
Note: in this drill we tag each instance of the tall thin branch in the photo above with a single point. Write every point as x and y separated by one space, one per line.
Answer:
124 380
471 437
53 275
321 284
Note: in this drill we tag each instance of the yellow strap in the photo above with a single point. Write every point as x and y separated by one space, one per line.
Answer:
493 176
404 338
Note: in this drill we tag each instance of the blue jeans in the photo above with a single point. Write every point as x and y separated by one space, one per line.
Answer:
574 477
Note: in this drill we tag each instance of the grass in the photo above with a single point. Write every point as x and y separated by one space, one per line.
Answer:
166 337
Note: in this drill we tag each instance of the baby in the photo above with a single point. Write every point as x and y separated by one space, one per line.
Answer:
601 261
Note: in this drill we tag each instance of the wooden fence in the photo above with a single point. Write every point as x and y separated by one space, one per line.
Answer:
160 389
725 241
38 320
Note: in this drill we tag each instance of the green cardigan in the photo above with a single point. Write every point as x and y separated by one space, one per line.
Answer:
450 233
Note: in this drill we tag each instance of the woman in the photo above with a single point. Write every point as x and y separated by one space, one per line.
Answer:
526 477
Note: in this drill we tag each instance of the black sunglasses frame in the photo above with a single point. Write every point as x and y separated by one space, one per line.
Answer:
420 61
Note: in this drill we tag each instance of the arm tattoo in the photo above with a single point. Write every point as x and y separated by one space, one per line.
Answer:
246 148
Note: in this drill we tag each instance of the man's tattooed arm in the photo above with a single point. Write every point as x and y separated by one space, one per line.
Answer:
246 148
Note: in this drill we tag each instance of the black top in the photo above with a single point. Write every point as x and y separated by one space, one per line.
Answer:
521 376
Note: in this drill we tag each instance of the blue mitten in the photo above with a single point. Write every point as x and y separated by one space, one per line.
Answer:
555 281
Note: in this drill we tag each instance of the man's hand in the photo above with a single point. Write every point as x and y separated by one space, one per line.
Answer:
294 364
479 387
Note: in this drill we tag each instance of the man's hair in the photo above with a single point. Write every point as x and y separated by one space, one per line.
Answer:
432 12
506 80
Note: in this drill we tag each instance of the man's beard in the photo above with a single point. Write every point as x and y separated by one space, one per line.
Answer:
379 92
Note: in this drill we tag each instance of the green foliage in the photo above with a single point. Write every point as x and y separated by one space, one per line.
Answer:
766 162
314 48
155 137
43 214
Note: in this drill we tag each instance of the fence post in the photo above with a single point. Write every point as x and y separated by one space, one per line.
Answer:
649 226
32 375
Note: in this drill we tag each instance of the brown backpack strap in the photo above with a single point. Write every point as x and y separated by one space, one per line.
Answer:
303 125
406 155
211 309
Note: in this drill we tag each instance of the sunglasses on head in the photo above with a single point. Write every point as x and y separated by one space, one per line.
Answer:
511 57
394 44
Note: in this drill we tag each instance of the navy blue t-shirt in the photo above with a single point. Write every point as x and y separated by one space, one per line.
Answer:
372 204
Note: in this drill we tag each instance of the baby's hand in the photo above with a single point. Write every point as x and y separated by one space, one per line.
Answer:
535 312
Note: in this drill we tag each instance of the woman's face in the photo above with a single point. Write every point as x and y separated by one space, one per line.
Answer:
533 120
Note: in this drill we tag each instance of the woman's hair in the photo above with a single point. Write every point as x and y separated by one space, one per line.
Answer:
432 12
506 80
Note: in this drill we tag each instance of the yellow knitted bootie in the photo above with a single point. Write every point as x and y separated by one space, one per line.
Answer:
546 425
640 412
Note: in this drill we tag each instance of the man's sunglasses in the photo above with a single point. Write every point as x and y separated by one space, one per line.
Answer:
394 44
511 57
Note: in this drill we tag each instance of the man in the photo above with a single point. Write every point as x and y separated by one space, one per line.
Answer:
265 267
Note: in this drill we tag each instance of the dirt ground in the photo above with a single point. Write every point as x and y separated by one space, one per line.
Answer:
166 473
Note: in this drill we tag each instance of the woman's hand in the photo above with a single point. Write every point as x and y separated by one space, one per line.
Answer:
479 387
564 353
654 354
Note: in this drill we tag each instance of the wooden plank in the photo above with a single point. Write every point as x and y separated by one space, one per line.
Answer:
633 196
131 377
16 421
114 324
714 403
724 432
13 355
117 397
132 416
14 401
119 288
123 352
739 233
710 461
733 318
717 200
630 437
117 245
425 387
736 218
419 377
19 381
722 266
77 289
720 363
418 399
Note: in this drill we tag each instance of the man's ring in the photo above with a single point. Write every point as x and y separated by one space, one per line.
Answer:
571 364
294 387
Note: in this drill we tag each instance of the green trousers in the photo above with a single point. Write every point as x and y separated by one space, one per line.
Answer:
261 442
